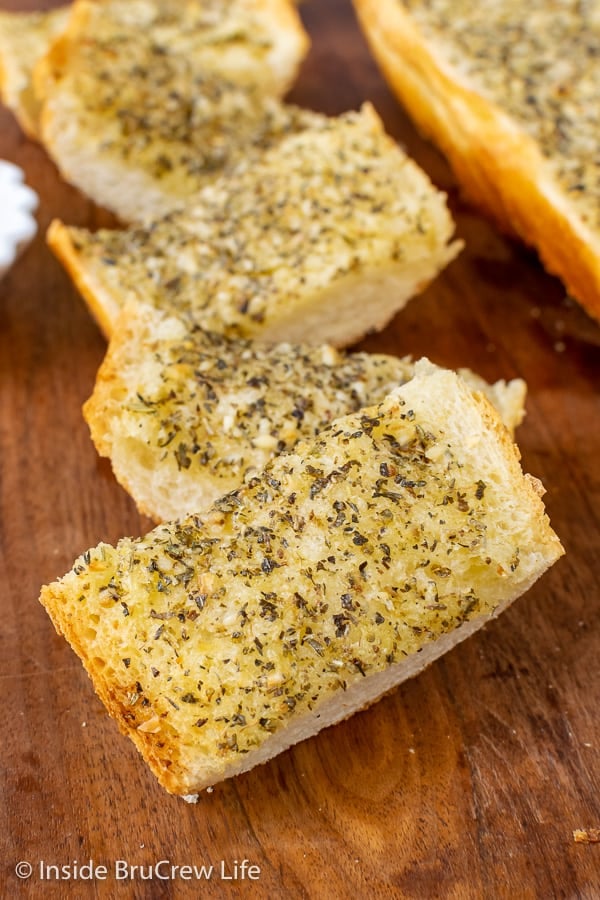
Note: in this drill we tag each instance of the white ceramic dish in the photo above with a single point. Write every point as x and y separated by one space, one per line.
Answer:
17 207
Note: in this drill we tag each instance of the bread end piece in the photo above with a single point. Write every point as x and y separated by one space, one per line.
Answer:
498 165
24 38
340 571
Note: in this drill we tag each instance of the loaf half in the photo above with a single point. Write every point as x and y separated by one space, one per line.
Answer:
24 39
324 238
144 100
343 568
186 416
509 92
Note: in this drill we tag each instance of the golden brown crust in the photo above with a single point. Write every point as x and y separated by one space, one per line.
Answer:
499 166
99 301
162 758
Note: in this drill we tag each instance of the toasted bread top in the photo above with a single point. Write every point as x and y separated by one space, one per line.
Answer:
187 415
128 56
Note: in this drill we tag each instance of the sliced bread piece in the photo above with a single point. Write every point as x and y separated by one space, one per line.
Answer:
344 568
145 100
24 38
509 92
321 240
186 415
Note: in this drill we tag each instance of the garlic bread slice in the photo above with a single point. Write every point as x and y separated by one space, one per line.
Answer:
146 100
186 415
343 568
508 91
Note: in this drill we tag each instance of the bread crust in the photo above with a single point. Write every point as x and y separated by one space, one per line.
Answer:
499 166
98 300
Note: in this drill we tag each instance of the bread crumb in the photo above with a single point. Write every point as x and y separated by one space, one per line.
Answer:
587 836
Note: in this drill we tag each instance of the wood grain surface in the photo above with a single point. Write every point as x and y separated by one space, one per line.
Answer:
466 782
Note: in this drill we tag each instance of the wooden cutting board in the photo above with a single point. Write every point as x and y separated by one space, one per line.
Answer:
466 782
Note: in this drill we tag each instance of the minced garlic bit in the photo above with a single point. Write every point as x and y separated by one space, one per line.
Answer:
339 199
539 62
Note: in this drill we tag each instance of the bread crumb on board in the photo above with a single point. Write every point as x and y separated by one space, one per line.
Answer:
586 835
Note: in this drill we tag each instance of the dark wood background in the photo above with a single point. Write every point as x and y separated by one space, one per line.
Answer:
465 782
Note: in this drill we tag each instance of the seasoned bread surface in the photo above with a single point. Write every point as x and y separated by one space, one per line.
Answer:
509 92
146 100
343 568
323 239
187 415
24 38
